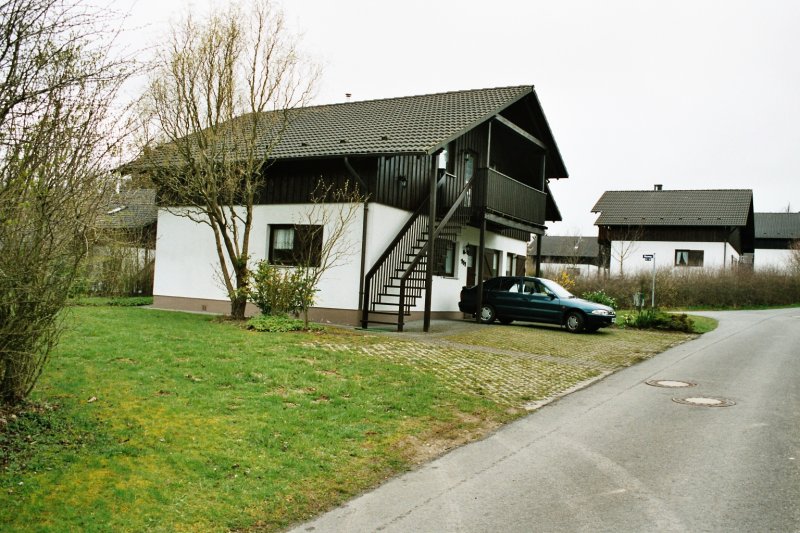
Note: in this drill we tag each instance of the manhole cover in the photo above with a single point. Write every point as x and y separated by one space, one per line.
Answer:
705 401
670 383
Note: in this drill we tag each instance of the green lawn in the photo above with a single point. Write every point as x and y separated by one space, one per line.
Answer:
166 421
160 421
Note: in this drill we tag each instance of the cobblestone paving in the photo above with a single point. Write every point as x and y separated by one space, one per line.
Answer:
480 360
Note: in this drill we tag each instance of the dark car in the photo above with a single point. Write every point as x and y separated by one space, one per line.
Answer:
509 298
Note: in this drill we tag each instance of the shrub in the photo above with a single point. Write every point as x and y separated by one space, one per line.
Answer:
600 297
656 319
278 291
278 324
701 288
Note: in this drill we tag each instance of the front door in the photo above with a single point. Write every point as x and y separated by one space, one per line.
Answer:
491 262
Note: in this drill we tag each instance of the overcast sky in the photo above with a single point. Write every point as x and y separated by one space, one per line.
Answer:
691 94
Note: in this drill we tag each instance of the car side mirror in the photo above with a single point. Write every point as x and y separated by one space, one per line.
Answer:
551 295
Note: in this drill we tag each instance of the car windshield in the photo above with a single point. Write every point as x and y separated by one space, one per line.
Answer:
557 289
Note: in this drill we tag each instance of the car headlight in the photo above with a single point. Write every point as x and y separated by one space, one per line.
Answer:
600 312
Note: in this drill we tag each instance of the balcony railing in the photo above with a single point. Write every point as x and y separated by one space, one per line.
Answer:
509 198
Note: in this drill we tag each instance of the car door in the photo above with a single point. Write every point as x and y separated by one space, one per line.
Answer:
503 296
541 303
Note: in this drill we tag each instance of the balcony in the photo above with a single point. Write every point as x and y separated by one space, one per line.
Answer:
508 201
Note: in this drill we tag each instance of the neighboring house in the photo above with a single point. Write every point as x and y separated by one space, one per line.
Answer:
575 255
122 263
682 229
775 234
489 154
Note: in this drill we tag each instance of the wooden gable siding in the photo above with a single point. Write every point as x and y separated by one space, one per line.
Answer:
401 181
524 115
474 142
773 244
672 233
293 182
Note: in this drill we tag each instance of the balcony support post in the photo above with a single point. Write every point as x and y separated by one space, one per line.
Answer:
426 317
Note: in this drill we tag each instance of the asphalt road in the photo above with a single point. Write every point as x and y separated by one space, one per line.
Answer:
622 455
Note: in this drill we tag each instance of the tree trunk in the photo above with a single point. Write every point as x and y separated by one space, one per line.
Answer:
12 387
238 305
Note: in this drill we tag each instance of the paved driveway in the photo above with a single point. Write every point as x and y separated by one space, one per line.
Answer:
623 455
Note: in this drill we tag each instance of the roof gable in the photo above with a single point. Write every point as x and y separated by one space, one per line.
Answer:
405 125
722 207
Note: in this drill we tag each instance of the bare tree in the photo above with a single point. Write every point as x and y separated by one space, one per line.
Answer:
57 85
220 99
627 242
794 257
327 243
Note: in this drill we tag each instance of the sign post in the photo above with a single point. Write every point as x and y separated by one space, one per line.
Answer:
652 257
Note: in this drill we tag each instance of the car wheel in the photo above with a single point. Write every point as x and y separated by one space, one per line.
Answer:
487 314
505 321
574 322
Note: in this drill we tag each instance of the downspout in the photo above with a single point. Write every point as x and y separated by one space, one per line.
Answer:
725 248
364 187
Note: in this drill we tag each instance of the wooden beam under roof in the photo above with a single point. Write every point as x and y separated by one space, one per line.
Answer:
519 131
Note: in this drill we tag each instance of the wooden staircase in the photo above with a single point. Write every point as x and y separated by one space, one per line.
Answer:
397 280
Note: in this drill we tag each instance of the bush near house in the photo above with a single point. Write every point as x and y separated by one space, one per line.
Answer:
715 289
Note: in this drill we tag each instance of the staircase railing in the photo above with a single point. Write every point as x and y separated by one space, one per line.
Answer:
396 255
461 216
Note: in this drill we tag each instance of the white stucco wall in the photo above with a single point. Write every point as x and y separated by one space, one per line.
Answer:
715 254
187 264
772 259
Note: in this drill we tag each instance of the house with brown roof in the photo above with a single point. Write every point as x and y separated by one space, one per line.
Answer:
775 234
679 229
456 184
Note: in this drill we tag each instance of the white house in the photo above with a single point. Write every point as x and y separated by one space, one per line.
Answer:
775 234
487 154
682 229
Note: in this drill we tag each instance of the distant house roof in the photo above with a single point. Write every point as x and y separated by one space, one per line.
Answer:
724 207
777 225
570 246
130 209
406 125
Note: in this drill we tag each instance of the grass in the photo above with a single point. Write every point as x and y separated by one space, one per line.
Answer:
175 422
160 421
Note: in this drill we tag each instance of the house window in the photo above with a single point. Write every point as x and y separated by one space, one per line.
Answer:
446 258
689 258
295 244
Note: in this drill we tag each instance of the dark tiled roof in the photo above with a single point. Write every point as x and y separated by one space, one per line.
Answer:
777 225
724 207
130 209
411 124
569 246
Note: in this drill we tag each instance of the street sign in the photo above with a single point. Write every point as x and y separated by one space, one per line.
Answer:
648 257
